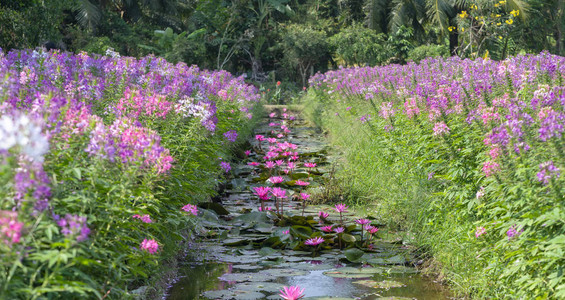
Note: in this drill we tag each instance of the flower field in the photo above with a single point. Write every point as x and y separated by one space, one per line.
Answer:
101 158
470 152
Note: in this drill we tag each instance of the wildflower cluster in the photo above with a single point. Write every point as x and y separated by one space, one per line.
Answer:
488 136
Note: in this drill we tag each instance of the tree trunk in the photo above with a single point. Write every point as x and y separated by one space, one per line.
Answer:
453 42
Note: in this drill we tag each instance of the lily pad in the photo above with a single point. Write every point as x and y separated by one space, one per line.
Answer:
233 295
216 207
283 272
266 251
312 267
247 267
385 284
236 242
353 254
243 277
268 287
395 260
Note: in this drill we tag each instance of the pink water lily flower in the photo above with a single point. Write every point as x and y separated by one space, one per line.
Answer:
341 208
310 165
327 228
314 241
363 221
262 192
323 215
276 179
301 183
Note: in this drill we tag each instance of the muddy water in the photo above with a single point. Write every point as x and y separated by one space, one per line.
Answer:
242 257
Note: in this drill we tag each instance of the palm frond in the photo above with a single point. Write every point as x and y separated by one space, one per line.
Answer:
88 13
438 12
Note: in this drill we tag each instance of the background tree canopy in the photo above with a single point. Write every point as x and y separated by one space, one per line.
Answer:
286 39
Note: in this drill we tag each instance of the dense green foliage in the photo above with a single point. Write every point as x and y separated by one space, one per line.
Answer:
252 36
467 155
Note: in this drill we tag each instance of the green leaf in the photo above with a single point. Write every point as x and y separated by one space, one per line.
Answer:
353 254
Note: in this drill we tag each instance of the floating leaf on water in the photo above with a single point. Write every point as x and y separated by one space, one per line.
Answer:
255 216
348 238
216 207
283 272
263 228
311 267
233 294
339 274
385 284
266 251
243 277
301 231
247 267
236 242
268 287
353 254
395 260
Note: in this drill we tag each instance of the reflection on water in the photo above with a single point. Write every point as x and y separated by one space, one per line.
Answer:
198 278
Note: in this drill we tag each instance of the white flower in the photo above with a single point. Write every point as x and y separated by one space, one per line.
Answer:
20 131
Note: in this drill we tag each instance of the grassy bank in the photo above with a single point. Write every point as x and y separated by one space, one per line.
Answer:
467 155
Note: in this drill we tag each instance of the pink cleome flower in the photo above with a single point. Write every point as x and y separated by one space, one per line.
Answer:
191 209
480 231
10 228
440 128
150 246
144 218
490 168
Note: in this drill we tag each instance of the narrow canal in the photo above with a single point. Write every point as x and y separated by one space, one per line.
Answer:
249 251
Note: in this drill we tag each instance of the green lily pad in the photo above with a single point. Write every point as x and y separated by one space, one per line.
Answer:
312 267
385 284
256 217
236 242
247 267
353 254
243 277
283 272
233 294
266 251
395 260
216 207
301 231
268 287
348 238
